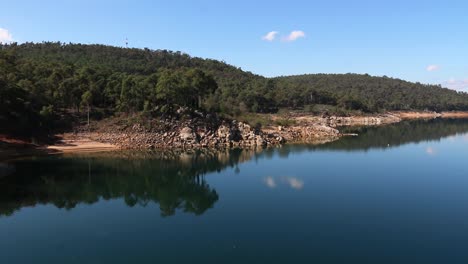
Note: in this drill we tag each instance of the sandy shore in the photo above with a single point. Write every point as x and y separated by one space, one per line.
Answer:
423 115
71 143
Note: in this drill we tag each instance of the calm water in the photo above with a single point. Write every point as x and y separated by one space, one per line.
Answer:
396 194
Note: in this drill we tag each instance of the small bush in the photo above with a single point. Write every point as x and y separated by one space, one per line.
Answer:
285 122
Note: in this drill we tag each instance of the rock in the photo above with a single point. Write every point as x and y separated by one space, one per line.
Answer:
182 110
224 132
259 141
187 134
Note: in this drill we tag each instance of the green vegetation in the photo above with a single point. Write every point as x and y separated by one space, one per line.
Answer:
366 93
43 85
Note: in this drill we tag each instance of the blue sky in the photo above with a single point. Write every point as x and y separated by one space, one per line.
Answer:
425 41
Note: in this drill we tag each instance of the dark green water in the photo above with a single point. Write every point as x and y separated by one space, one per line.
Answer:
395 194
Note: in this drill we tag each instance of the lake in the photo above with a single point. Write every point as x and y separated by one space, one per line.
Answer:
394 194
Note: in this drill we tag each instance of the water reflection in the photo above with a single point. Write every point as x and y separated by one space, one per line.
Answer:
173 180
176 180
270 182
431 151
294 183
399 134
389 136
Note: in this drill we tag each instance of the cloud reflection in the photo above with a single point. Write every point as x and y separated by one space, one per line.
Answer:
295 183
292 182
270 182
431 151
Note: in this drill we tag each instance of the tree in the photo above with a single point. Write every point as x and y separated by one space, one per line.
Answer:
168 89
86 100
199 85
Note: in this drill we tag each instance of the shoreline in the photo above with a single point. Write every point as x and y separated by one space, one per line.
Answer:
74 144
306 128
430 115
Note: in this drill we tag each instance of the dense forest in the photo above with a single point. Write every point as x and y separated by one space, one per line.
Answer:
42 84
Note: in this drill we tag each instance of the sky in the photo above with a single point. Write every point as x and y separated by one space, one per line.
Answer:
420 41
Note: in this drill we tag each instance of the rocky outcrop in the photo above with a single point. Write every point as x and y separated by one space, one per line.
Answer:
310 134
203 131
335 121
187 134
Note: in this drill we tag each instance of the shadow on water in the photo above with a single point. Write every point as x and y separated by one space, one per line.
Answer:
173 180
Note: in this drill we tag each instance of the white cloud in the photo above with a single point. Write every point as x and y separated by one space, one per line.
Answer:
295 183
270 182
432 68
270 36
459 85
5 36
294 35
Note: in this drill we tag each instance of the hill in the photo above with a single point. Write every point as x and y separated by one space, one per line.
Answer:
367 93
42 84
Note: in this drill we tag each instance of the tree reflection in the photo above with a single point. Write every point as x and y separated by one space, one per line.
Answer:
399 134
175 181
382 137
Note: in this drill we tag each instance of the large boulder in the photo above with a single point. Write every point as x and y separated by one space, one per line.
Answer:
224 132
187 134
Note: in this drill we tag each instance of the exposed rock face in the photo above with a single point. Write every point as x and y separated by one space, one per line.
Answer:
188 134
242 134
224 133
311 133
210 131
362 120
335 121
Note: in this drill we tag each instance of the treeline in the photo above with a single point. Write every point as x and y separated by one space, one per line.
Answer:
367 93
35 93
43 83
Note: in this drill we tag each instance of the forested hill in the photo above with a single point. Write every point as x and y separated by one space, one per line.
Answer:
368 93
125 60
40 82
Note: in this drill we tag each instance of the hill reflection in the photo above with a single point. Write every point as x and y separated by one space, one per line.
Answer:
382 137
173 180
399 134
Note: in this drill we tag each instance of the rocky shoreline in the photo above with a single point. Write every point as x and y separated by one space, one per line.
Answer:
212 132
188 135
236 134
199 133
